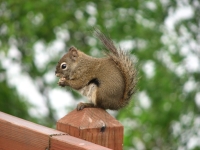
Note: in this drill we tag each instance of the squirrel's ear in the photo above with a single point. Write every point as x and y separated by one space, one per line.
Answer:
73 54
72 48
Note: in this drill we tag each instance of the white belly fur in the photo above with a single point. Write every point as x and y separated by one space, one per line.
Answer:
90 92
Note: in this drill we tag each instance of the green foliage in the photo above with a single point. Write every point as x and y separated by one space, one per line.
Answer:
149 124
16 106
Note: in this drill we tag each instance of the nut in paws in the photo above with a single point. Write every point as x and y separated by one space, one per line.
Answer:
61 82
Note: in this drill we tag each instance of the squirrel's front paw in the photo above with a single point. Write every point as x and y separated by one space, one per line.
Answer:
61 82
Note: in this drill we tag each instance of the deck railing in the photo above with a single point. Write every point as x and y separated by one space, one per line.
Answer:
89 129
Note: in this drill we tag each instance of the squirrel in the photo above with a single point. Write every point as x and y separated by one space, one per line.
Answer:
107 82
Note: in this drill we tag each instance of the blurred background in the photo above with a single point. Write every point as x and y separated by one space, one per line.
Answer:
162 36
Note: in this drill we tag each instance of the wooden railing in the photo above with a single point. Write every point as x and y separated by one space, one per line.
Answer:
89 129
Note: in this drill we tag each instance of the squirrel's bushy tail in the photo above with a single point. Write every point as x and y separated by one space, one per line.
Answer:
125 64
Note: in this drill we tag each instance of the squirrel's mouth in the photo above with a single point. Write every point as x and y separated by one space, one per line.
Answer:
58 75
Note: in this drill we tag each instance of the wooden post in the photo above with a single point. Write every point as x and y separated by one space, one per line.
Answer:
94 125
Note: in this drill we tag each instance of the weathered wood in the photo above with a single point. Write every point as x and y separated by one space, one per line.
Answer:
94 125
19 134
59 143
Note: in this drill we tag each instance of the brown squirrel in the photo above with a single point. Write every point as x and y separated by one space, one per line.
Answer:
108 82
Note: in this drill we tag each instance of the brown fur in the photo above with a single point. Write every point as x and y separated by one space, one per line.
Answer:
108 82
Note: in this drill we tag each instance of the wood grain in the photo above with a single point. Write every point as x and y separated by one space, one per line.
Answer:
19 134
59 143
94 125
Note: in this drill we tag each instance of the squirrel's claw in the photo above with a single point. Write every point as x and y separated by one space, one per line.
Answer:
80 106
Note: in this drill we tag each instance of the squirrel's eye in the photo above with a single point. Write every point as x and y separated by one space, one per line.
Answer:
63 66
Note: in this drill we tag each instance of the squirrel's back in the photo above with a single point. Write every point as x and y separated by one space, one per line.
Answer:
108 82
124 64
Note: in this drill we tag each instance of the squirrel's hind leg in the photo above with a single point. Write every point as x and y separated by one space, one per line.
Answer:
81 106
90 92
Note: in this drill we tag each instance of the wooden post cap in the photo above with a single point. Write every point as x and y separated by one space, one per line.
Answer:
94 125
